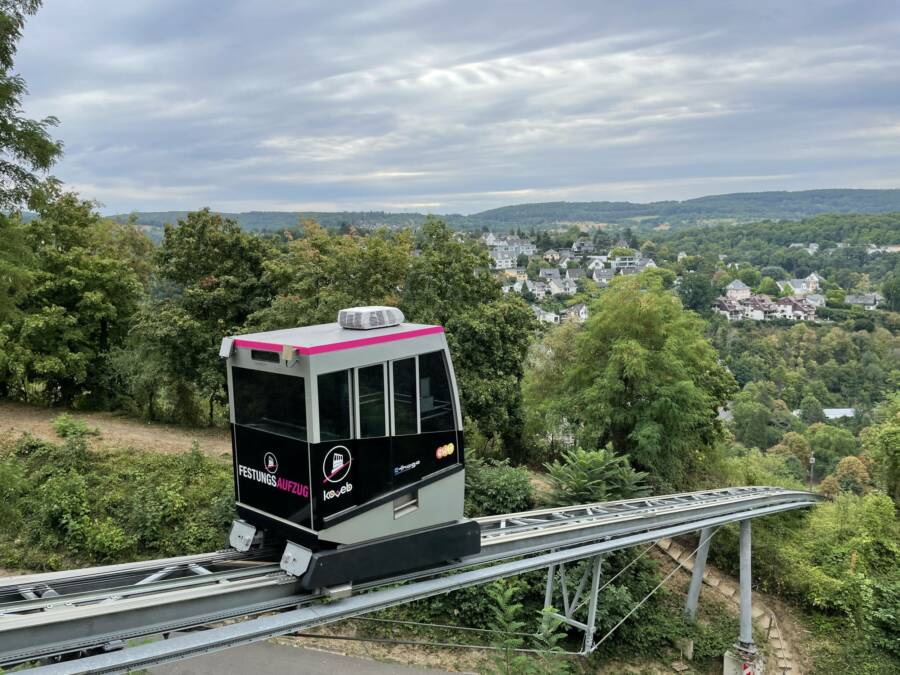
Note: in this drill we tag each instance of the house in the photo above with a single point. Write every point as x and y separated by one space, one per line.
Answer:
549 273
521 274
503 261
622 262
551 256
538 289
544 316
681 255
737 290
577 312
595 261
562 287
489 239
864 300
575 273
795 309
583 245
801 286
731 309
603 276
816 300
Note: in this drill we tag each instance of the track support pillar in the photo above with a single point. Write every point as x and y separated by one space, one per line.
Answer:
693 596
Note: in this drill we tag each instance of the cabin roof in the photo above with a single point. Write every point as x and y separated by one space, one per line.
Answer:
330 337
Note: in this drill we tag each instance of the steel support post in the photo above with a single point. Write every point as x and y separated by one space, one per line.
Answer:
746 639
693 596
596 572
548 592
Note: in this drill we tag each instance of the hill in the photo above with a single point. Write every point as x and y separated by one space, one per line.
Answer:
714 209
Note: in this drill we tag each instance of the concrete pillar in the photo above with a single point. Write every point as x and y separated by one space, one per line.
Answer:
746 639
693 596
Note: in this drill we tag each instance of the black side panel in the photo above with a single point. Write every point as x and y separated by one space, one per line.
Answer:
272 474
386 557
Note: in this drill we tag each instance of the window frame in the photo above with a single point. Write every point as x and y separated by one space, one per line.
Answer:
385 391
351 405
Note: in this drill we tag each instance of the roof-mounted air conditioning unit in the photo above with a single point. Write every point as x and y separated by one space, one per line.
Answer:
367 318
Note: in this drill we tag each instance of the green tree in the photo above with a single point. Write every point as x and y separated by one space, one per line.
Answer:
213 276
697 291
829 444
26 149
811 410
767 286
449 283
881 443
76 310
891 290
646 380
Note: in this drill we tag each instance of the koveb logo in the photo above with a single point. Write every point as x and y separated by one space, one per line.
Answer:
270 461
336 465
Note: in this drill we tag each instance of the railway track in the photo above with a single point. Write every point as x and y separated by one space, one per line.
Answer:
80 612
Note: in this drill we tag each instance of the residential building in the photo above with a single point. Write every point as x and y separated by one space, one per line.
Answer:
737 290
583 245
575 273
578 312
544 316
551 256
802 286
549 273
864 300
603 276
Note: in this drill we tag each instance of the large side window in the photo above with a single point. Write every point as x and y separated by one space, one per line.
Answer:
370 388
334 406
269 402
435 399
404 394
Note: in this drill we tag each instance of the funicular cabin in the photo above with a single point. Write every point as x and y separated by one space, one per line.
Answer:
347 444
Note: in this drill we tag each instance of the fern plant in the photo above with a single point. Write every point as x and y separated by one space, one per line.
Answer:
586 476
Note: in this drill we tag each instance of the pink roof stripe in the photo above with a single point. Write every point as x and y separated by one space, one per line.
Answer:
336 346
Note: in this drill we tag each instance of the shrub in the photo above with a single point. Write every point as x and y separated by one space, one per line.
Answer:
494 487
67 426
593 476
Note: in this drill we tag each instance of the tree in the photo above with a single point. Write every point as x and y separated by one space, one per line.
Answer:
891 290
811 410
697 291
77 308
767 286
829 444
25 144
646 380
214 272
449 283
881 443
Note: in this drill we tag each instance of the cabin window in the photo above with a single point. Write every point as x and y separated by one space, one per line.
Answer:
269 402
334 406
404 395
435 399
370 389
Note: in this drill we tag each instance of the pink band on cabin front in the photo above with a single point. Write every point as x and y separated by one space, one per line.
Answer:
335 346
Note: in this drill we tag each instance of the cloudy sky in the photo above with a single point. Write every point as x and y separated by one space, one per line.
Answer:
460 106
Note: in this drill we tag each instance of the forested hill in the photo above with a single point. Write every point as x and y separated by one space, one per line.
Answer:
736 207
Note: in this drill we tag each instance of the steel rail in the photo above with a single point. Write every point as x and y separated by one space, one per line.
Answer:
185 603
262 628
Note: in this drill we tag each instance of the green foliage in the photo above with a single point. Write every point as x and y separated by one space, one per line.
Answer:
891 290
494 487
67 426
881 443
77 308
593 476
811 410
74 506
643 378
697 291
508 622
25 144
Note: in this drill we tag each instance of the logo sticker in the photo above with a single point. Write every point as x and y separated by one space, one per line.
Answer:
270 462
445 451
336 466
406 467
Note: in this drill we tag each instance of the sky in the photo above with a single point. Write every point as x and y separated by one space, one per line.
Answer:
460 106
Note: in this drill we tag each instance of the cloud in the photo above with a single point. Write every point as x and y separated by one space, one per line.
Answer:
458 106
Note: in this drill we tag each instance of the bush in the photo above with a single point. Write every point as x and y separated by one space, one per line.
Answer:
67 426
494 487
593 476
73 506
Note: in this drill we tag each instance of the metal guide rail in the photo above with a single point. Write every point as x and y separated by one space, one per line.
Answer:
81 611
